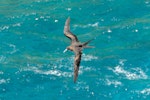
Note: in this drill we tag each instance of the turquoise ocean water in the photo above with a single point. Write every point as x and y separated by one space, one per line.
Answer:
32 63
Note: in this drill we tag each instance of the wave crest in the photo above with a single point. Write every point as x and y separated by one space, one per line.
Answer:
113 82
47 72
96 24
145 91
134 74
88 57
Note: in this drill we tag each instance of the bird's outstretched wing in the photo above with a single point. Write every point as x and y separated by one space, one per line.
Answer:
67 32
76 65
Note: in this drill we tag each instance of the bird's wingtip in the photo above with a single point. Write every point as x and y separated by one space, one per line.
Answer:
68 19
75 80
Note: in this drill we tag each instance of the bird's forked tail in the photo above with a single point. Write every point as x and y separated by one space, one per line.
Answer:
86 46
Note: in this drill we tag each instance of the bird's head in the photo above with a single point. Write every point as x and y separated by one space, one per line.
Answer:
68 48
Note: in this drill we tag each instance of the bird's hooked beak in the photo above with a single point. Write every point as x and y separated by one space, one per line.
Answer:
65 50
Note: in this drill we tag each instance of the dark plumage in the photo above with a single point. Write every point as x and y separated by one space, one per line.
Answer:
75 46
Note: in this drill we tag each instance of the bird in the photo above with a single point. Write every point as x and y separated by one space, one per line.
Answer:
76 46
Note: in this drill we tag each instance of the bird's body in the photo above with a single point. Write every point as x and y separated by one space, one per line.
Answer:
75 46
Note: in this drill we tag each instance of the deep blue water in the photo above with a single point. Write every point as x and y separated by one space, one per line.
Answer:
32 63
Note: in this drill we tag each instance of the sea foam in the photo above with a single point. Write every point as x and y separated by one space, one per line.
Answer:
88 57
4 28
113 82
145 91
134 74
96 24
54 72
2 81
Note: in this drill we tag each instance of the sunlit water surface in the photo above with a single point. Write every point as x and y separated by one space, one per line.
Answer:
32 63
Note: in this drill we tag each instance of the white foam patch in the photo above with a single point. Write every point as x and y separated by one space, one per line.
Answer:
36 18
69 9
2 59
56 21
4 81
49 72
17 24
136 73
88 57
145 91
113 82
82 86
14 50
109 30
135 30
88 68
147 2
121 62
96 24
4 28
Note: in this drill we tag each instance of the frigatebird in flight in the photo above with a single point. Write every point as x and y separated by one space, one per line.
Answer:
75 46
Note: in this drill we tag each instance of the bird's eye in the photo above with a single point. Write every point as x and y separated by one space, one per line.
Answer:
80 45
